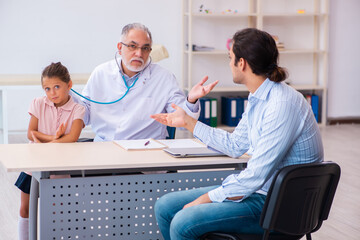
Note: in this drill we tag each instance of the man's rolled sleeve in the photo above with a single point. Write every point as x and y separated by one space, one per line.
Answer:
217 195
201 131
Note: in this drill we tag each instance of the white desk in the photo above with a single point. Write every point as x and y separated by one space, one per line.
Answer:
104 207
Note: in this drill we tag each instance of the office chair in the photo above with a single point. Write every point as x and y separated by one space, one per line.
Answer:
297 203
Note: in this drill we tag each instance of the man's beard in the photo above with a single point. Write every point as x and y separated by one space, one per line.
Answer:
133 68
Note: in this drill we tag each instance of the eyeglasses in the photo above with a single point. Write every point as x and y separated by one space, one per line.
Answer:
133 47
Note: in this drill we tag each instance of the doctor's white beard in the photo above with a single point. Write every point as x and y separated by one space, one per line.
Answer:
139 68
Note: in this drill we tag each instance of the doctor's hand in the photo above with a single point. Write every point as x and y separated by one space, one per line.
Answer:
199 90
179 118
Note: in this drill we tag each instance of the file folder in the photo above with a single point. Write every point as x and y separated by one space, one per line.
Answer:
232 110
205 111
308 98
245 103
213 112
315 106
240 109
313 101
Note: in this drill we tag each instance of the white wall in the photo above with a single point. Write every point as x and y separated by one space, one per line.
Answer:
84 33
344 59
81 33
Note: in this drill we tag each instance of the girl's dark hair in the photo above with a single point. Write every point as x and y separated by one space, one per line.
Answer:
259 50
56 70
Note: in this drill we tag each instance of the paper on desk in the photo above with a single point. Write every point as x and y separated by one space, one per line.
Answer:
182 143
139 144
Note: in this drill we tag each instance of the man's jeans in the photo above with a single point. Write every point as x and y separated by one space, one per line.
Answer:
176 223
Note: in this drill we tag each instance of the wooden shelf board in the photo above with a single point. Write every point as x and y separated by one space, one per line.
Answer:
281 51
35 79
221 15
308 87
299 51
242 88
293 14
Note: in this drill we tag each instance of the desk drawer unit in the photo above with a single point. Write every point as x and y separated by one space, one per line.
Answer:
112 207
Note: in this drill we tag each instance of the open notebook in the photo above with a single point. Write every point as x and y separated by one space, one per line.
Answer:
140 144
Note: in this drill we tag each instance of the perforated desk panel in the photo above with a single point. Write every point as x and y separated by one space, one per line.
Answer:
111 207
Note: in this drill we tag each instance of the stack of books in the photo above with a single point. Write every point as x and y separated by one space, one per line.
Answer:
197 48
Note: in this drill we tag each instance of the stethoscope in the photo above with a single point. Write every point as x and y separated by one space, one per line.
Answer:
123 77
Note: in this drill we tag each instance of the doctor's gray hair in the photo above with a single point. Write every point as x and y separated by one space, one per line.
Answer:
125 31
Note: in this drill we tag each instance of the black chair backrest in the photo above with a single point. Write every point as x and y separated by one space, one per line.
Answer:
300 198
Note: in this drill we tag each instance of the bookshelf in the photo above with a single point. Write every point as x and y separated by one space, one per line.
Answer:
301 25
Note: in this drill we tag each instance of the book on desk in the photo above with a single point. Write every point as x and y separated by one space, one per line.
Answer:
175 147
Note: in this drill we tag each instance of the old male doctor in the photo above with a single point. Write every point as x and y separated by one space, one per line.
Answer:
144 88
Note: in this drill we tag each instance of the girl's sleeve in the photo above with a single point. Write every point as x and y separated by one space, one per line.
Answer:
34 108
79 112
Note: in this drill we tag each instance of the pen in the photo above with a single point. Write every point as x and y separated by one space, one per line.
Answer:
147 143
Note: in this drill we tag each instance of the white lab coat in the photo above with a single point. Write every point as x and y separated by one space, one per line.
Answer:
129 118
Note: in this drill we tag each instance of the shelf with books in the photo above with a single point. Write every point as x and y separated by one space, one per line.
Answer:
300 28
212 52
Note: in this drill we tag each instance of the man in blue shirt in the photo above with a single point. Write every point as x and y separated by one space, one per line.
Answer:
277 129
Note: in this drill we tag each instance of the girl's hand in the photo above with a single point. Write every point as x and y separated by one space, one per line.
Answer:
60 131
35 139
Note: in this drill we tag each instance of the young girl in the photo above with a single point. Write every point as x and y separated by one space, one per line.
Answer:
54 118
